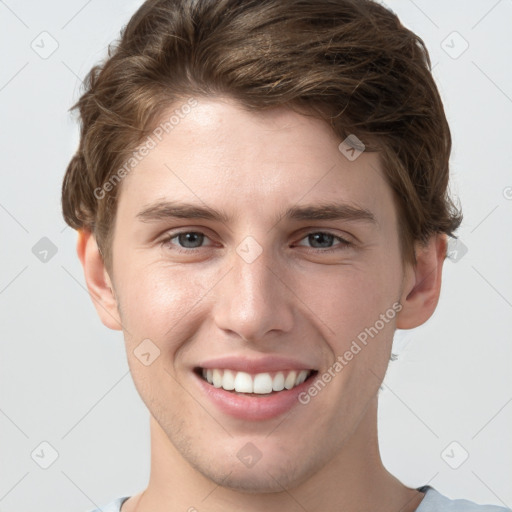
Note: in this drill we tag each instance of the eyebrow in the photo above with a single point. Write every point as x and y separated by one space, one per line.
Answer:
325 211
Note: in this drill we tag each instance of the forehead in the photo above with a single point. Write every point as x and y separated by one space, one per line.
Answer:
221 154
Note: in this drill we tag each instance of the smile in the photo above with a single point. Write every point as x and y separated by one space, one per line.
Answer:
253 391
260 384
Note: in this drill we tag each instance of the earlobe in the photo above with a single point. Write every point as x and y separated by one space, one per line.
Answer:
422 287
97 280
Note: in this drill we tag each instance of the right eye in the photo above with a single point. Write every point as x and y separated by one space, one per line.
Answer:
188 241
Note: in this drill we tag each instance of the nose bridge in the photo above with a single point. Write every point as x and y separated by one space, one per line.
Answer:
254 280
252 301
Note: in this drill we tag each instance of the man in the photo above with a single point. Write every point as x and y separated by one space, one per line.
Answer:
261 198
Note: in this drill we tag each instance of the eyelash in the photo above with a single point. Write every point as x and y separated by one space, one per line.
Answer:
344 244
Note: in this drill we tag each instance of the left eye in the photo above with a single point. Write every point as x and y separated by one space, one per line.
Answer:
321 240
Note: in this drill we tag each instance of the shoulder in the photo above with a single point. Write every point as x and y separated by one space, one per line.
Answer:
113 506
434 501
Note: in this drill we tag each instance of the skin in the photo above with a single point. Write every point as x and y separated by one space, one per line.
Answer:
295 300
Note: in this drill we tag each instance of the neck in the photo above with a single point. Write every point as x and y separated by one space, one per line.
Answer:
354 479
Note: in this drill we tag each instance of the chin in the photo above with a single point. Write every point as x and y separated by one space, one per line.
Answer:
273 473
254 481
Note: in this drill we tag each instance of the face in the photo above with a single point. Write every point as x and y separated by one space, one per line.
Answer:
252 254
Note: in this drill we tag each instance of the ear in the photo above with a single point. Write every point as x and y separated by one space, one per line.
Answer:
98 281
422 283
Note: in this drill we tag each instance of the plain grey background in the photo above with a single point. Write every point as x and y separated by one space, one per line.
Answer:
445 412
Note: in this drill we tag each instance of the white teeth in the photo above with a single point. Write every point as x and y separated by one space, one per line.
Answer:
243 383
278 382
228 380
303 375
289 382
217 378
261 383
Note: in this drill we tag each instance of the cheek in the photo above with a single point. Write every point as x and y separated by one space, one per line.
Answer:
165 305
159 301
350 299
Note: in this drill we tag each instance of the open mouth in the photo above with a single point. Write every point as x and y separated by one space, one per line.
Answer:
259 384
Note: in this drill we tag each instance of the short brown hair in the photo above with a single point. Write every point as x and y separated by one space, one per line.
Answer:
349 62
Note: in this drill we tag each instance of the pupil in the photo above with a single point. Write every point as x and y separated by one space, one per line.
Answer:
324 239
191 240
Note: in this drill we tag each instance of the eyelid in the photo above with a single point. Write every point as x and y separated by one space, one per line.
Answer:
311 230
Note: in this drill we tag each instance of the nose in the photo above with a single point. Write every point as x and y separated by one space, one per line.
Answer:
253 299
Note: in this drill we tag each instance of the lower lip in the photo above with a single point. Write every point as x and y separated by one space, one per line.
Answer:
253 408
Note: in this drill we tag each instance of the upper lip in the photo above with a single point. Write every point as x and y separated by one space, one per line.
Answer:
256 364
